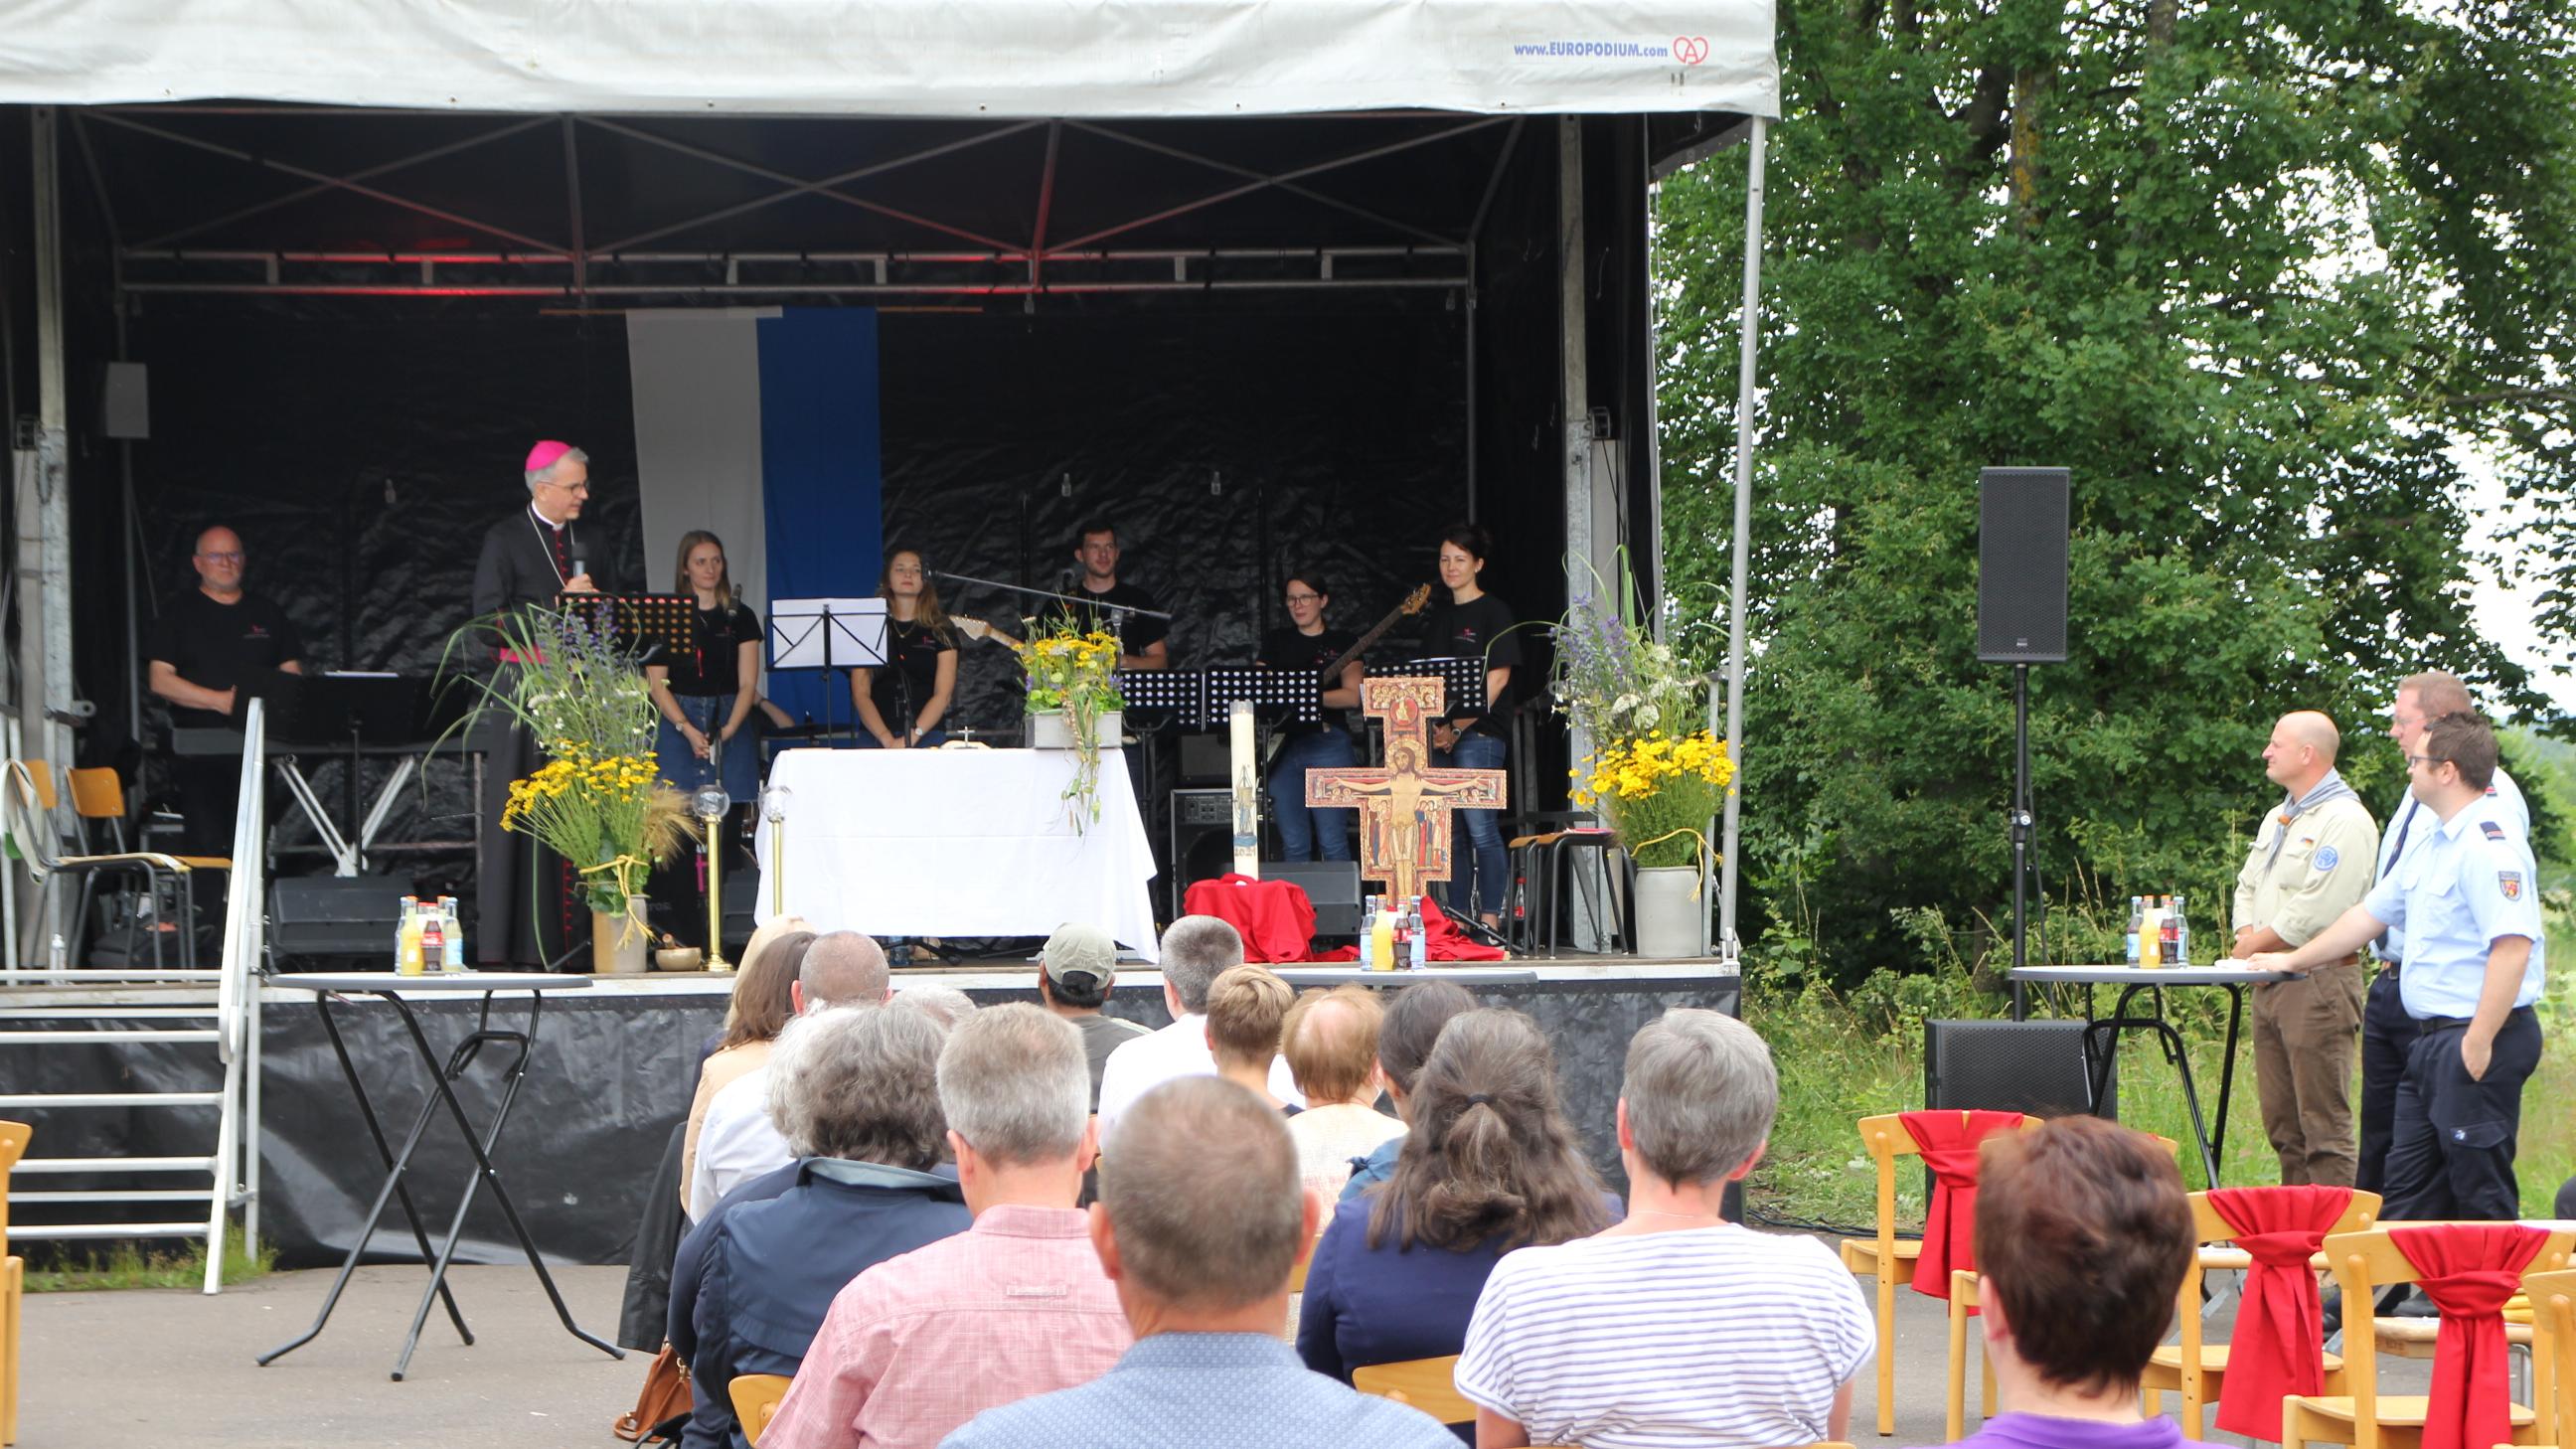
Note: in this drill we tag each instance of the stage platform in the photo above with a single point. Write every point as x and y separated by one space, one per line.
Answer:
614 1068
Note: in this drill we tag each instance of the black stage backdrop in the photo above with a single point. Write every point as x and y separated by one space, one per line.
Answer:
609 1078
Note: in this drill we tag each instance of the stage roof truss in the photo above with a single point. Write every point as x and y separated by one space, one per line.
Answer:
1336 219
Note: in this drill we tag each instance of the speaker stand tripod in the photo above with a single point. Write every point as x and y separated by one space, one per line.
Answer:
2021 825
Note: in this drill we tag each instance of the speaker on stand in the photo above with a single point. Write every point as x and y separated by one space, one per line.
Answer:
2022 535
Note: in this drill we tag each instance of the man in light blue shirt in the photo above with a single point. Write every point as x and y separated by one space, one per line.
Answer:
2387 1032
2467 898
1201 1217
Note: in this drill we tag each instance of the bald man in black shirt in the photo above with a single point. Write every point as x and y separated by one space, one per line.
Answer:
202 645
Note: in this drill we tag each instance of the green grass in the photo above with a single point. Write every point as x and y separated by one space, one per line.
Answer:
127 1265
1844 1057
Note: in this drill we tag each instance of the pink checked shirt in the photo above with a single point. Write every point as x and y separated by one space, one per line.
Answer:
1016 1305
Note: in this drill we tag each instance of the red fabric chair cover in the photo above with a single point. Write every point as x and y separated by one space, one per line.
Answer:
1949 1144
2469 1270
1446 943
1274 917
2279 1348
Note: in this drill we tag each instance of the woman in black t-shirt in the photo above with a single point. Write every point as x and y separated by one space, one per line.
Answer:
900 706
1307 644
1473 624
706 695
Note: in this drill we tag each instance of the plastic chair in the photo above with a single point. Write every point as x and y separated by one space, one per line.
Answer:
2364 1263
2197 1369
13 1283
756 1398
1428 1384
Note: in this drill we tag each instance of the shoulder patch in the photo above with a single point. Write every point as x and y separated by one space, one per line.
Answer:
2328 858
2510 882
2493 830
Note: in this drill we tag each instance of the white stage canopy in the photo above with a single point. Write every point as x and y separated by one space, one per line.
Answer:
1002 58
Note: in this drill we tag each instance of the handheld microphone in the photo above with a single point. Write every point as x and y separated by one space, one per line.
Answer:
580 566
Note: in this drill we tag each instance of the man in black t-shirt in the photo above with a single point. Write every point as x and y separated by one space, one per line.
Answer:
1141 639
202 647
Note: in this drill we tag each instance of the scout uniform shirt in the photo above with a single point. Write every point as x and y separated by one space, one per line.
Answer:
2470 882
2308 870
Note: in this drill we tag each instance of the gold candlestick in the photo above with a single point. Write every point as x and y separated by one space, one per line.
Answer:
773 804
710 804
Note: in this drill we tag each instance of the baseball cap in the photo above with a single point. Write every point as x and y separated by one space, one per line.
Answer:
1079 950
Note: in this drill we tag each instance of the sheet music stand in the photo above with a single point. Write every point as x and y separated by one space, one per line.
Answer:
1462 680
1279 694
654 627
1180 695
827 634
340 711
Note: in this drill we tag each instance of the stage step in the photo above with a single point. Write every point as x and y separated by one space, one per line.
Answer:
113 1164
115 1194
95 1232
58 1038
111 1099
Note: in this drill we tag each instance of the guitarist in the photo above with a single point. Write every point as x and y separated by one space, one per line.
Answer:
1307 644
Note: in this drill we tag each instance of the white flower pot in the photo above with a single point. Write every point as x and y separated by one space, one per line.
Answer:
1053 729
1668 919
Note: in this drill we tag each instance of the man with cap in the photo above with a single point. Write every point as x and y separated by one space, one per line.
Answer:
2310 863
2467 898
202 648
2387 1032
1074 974
528 559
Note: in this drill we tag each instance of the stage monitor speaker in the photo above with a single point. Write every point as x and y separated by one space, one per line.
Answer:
1332 886
334 916
127 405
1202 839
2033 1067
2021 565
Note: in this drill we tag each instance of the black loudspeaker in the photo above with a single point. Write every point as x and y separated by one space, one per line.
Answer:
318 918
1332 886
126 402
1202 839
2021 565
1207 759
2034 1067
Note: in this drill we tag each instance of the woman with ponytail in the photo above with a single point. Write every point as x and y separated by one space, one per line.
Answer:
1489 1164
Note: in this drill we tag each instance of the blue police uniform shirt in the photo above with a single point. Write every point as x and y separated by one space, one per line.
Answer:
2503 793
2470 883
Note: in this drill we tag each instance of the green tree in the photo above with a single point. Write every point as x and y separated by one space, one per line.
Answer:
2257 273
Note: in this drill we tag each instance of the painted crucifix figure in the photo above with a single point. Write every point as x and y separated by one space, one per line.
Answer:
1404 807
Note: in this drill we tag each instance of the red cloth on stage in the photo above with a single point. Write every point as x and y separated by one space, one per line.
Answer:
1949 1142
2279 1348
2469 1270
1443 941
1274 917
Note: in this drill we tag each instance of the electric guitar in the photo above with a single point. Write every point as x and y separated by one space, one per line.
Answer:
1413 604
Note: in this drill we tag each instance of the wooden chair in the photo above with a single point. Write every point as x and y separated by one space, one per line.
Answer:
2196 1369
1428 1384
2553 1353
32 809
13 1283
2362 1417
755 1401
1885 1257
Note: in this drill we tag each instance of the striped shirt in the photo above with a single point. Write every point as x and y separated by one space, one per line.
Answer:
1709 1338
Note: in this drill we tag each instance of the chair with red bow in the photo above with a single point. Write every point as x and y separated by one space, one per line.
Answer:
2553 1354
2277 1351
2468 1270
1947 1142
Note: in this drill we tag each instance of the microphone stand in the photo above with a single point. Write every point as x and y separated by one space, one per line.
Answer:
1091 603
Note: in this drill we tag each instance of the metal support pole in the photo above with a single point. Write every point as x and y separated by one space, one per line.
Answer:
1730 945
1575 383
44 522
2021 823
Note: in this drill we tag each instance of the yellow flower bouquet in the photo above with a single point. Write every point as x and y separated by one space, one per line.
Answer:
1074 671
1655 778
1658 793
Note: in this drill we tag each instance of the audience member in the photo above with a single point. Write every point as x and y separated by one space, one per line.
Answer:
1413 1023
1330 1041
1199 1223
1195 949
2083 1234
1490 1164
1075 972
1675 1326
739 1141
1015 1305
853 1091
946 1004
1245 1008
764 997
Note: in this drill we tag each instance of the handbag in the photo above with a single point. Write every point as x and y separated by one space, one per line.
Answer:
664 1404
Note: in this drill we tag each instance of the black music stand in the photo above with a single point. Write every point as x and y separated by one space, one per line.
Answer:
833 635
1163 697
1462 681
654 627
1278 694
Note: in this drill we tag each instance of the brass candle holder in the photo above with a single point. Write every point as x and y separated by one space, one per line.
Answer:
709 805
773 808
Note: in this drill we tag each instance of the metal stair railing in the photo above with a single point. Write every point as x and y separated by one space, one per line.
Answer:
230 1025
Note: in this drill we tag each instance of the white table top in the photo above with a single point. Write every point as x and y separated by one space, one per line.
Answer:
429 983
1437 971
2222 973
